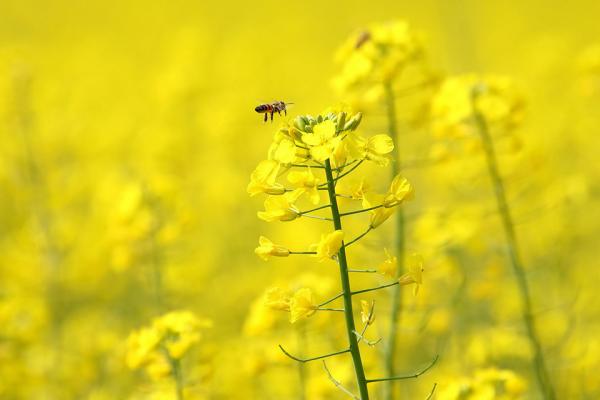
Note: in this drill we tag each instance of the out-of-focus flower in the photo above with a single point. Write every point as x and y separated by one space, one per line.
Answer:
329 245
268 249
494 97
302 305
277 299
377 147
168 338
414 264
389 267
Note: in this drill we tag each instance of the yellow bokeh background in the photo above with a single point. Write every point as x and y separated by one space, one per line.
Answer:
127 138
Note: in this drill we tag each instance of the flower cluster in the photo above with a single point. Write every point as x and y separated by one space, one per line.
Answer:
377 55
494 97
165 341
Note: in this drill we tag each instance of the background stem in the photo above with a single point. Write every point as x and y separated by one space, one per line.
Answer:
345 279
541 370
396 294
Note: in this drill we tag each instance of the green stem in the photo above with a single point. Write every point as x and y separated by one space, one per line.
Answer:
177 377
345 278
541 370
396 294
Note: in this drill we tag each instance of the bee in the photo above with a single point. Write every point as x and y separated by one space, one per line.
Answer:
272 108
363 37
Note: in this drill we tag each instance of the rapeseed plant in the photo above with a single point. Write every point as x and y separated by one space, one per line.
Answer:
327 142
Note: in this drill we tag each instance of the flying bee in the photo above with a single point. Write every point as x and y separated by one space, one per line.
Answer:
272 108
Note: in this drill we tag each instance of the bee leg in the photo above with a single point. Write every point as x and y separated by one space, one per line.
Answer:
272 116
266 117
285 111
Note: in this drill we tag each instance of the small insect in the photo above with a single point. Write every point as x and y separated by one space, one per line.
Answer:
272 108
363 38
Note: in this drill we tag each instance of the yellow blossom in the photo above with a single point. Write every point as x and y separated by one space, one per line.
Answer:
277 299
400 190
329 245
268 249
367 315
377 147
279 208
389 266
306 183
380 215
262 179
283 151
414 263
322 141
302 305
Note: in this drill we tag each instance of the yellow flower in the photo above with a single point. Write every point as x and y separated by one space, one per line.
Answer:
496 99
262 179
306 183
279 208
367 315
302 305
380 215
389 266
322 141
140 346
414 275
277 299
329 245
180 330
283 151
400 190
268 249
377 147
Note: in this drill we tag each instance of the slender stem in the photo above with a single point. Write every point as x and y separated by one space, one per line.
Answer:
396 294
345 278
304 360
415 375
177 374
360 211
358 238
302 370
316 217
366 271
432 391
340 176
541 371
330 309
303 252
314 209
338 384
375 288
337 296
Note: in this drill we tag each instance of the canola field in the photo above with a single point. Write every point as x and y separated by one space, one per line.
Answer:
302 200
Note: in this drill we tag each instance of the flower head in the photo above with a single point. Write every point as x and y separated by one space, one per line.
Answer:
302 305
414 263
400 190
262 179
268 249
279 208
307 184
329 245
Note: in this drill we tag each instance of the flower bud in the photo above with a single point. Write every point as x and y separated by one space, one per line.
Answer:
353 123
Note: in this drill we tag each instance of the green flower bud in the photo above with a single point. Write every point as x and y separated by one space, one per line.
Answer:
353 123
341 121
300 122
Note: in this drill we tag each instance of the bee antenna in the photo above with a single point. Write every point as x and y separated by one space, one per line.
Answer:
289 103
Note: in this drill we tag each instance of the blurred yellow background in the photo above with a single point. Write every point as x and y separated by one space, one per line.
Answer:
127 138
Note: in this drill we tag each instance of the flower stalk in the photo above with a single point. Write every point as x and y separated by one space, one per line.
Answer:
541 370
347 291
399 245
